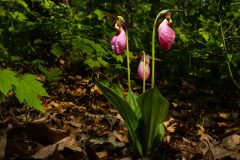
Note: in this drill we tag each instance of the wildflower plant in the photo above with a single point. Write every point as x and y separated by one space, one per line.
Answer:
144 114
118 41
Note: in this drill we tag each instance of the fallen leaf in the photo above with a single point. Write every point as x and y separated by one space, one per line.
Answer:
171 125
232 142
111 120
174 104
120 137
65 149
40 132
19 146
209 155
103 155
224 115
45 152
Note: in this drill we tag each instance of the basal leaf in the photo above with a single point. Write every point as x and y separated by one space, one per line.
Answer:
121 105
132 100
159 135
28 90
154 109
127 114
7 79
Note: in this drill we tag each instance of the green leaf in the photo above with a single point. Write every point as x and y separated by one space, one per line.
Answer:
100 14
127 113
52 74
159 135
98 48
154 109
28 90
91 63
102 62
18 16
204 33
23 4
121 105
132 100
56 50
7 79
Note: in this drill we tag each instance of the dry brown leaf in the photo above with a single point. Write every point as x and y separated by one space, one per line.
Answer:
121 137
114 142
222 124
209 155
224 115
19 146
40 132
68 144
174 104
45 152
171 125
203 136
103 155
232 142
221 152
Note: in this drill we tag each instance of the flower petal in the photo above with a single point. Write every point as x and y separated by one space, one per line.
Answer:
166 35
140 71
118 42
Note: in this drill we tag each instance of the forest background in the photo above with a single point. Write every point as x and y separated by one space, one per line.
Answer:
49 40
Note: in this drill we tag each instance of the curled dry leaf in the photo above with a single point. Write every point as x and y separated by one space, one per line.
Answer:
66 148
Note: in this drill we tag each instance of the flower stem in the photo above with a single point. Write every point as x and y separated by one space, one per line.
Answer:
128 62
153 49
144 71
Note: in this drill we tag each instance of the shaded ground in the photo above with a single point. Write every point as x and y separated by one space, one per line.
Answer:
78 123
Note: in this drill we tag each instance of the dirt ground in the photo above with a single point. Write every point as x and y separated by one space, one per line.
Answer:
77 122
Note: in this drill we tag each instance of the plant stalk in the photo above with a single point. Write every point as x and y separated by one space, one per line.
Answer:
128 62
144 71
153 50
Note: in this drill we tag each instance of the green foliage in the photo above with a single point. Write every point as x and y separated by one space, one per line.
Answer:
154 109
51 74
77 31
26 88
49 31
56 50
7 80
143 116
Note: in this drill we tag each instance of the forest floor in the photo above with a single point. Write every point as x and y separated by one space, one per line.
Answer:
77 122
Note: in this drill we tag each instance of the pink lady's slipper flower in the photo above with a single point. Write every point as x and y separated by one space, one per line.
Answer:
140 71
118 41
166 34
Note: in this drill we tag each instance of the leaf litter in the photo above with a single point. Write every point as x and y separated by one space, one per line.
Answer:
78 123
